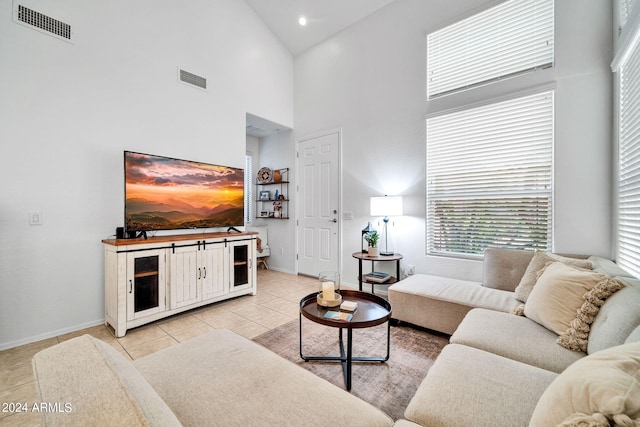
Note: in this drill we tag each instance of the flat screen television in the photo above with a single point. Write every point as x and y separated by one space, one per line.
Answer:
162 193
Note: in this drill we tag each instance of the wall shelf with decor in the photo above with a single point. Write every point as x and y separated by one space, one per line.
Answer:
272 188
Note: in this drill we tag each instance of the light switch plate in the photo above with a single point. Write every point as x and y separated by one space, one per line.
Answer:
35 218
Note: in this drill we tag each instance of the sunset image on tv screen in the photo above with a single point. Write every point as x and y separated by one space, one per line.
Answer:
162 193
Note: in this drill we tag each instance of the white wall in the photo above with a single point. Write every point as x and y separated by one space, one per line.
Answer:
277 152
370 81
70 109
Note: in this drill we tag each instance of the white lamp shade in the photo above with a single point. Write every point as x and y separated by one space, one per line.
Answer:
386 206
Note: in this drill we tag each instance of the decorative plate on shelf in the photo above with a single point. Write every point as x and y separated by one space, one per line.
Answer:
265 175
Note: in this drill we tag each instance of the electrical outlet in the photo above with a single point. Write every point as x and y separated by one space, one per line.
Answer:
410 270
281 251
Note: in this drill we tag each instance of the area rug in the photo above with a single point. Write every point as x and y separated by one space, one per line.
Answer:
388 386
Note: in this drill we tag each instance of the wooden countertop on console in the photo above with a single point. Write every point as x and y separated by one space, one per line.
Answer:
176 237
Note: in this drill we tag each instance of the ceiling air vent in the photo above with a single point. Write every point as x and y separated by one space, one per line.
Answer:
42 22
192 79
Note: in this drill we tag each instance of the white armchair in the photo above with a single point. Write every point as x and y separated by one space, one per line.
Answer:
263 244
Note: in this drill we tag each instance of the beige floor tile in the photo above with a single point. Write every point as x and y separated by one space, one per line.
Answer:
141 335
23 354
195 331
179 323
265 316
250 329
148 347
288 308
261 297
23 419
22 393
221 319
237 303
15 376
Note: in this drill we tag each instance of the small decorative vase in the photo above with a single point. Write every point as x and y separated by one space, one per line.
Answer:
329 289
277 176
373 251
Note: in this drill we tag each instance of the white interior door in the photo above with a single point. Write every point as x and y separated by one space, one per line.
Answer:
319 210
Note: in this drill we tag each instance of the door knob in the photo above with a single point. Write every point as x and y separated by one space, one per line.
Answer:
333 220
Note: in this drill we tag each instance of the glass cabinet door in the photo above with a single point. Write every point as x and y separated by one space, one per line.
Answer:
241 268
146 284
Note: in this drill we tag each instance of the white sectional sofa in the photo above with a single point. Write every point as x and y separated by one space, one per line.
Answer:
501 369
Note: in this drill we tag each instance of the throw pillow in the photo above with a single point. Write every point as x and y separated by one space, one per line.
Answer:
601 389
576 337
558 294
539 260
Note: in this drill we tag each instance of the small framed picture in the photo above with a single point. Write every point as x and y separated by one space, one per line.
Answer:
265 195
264 214
271 214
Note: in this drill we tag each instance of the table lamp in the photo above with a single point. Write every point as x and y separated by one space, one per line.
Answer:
386 206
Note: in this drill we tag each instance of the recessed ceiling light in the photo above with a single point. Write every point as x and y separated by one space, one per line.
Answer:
302 20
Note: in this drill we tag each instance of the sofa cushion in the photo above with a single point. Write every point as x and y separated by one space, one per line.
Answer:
440 303
599 389
607 266
538 262
470 387
617 318
100 386
558 294
634 336
504 268
514 337
223 378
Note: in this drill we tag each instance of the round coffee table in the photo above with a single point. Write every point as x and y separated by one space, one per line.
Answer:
371 311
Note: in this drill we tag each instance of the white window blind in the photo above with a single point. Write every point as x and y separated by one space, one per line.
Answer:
628 255
489 177
514 37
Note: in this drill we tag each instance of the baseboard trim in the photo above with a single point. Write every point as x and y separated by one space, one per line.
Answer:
47 335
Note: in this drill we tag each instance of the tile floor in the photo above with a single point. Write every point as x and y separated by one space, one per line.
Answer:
276 303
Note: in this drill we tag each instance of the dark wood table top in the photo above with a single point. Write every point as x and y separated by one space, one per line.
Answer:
372 310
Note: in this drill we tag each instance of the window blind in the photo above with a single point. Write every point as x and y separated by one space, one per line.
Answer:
489 177
514 37
628 253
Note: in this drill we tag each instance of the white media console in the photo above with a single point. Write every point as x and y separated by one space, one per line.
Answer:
148 279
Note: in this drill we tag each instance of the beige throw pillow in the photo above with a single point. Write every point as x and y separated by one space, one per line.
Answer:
601 389
558 294
539 260
576 338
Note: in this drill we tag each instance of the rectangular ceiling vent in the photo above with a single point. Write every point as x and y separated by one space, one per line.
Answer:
41 22
193 79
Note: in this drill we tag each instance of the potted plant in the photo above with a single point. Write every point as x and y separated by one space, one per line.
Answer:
372 238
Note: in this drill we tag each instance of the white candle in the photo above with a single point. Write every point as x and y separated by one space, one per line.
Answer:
328 291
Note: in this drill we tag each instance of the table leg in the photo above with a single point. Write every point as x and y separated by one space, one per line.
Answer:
346 357
360 275
347 376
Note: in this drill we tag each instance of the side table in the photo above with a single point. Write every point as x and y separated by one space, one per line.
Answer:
363 256
372 310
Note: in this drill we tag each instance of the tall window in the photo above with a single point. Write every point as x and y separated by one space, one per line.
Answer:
489 176
511 38
627 64
248 188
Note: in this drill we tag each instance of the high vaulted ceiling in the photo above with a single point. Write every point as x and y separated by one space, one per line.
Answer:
325 18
